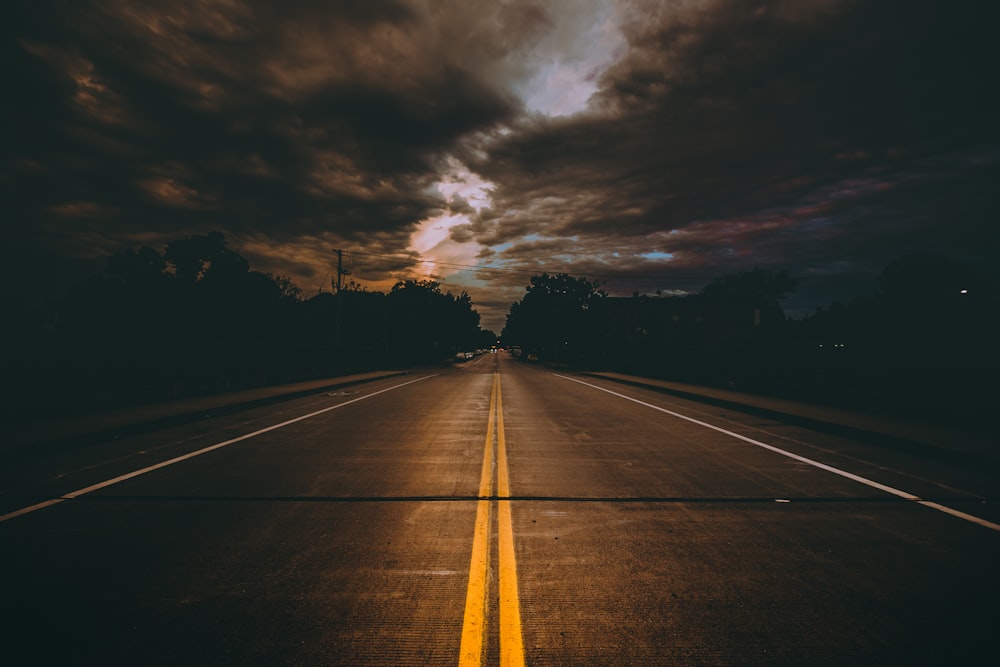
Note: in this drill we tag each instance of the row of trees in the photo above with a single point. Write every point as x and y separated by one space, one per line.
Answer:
415 322
926 338
570 319
196 318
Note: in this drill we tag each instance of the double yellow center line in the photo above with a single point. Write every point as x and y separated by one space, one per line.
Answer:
476 603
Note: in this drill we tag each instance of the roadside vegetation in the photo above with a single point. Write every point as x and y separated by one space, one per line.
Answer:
925 342
195 318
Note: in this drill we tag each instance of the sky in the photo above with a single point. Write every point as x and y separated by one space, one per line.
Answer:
650 145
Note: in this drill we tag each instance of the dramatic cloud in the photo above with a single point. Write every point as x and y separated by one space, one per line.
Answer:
655 145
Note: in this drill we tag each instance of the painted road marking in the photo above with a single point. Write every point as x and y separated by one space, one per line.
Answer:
511 640
474 622
191 455
476 604
816 464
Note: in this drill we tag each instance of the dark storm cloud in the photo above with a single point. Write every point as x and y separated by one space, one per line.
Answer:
824 137
141 121
734 134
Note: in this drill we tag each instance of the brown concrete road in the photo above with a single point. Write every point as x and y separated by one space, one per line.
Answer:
501 512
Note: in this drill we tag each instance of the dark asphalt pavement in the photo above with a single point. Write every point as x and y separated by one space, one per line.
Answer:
338 527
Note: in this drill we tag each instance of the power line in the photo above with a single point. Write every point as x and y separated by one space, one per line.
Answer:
449 265
525 272
623 280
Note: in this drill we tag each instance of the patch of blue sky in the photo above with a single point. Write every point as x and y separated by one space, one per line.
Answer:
463 280
821 222
657 255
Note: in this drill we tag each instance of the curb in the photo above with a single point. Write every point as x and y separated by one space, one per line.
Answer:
115 424
928 440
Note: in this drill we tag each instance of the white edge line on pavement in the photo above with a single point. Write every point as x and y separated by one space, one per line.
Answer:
191 455
822 466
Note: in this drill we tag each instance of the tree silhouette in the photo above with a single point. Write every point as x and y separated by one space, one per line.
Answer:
206 257
426 323
551 318
932 279
141 269
754 289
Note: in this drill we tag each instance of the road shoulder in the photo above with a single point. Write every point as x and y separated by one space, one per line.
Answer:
127 421
931 439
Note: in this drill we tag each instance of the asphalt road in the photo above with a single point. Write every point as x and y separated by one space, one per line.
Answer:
495 513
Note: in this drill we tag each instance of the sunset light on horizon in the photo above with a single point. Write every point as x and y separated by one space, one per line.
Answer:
653 146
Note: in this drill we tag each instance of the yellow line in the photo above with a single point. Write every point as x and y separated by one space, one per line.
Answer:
474 623
503 479
511 641
486 478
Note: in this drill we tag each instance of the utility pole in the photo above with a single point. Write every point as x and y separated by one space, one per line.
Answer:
340 273
340 267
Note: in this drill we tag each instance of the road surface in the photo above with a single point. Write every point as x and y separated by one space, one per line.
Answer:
495 513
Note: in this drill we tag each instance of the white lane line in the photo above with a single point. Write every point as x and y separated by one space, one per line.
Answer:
822 466
191 455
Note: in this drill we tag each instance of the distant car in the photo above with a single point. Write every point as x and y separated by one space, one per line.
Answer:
469 355
460 357
532 357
